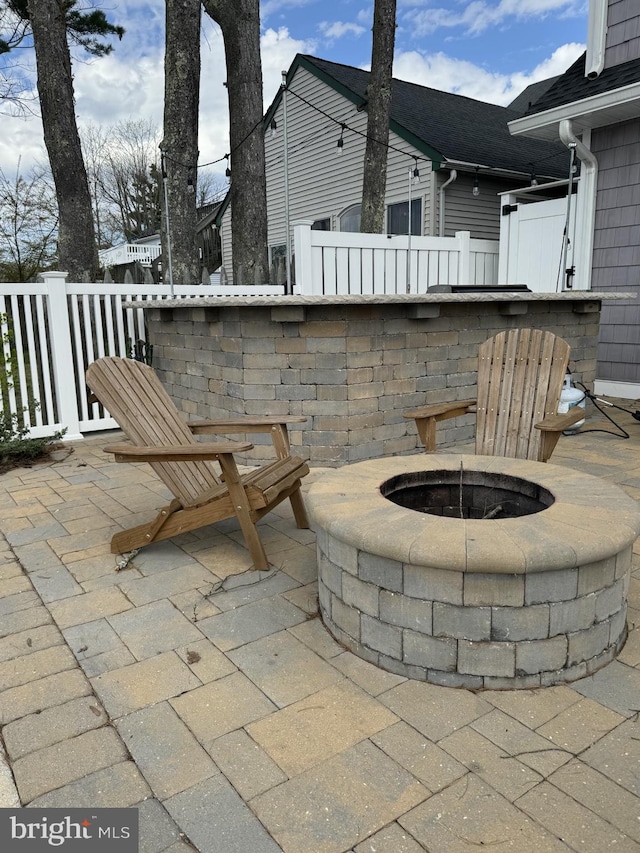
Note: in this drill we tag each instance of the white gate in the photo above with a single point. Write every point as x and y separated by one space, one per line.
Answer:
532 243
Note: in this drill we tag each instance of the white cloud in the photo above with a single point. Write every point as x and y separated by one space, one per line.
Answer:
439 71
479 15
122 86
338 29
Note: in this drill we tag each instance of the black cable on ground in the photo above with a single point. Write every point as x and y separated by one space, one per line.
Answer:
622 433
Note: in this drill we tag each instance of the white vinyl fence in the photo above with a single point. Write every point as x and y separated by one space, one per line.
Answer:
334 262
52 330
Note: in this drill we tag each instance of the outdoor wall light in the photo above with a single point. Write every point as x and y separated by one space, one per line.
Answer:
476 184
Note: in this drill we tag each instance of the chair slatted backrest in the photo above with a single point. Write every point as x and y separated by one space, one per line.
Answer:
520 377
135 397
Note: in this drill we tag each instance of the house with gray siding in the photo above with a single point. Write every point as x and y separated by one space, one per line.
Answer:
449 157
596 106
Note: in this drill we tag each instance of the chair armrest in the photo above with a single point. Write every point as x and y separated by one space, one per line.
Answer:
426 418
558 423
262 423
442 411
179 453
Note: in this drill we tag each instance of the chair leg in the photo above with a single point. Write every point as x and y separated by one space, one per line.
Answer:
427 431
144 534
243 511
299 510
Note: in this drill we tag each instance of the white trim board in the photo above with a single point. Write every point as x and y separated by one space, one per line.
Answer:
611 388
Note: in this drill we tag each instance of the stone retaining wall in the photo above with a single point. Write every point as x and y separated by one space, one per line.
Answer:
475 631
352 368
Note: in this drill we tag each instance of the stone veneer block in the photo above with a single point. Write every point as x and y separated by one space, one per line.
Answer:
505 603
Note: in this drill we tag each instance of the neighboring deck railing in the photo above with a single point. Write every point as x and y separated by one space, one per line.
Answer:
127 253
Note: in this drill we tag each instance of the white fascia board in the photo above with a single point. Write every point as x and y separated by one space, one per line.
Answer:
625 95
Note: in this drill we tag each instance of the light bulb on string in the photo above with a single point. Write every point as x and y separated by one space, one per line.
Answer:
476 185
416 173
340 144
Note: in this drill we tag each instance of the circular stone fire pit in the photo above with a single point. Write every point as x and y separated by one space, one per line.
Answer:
474 571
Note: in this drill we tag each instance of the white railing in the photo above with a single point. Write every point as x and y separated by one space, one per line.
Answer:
333 262
129 252
52 330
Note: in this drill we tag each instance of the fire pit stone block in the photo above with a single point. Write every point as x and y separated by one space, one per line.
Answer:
493 603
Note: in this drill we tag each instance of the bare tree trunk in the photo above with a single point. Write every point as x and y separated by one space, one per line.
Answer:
374 182
180 143
239 21
77 250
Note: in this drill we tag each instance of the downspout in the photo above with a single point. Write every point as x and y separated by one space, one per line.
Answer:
586 207
452 177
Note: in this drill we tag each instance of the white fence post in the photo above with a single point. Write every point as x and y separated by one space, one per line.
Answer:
62 353
302 250
464 264
506 224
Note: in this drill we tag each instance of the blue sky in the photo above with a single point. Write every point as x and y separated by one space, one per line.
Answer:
484 49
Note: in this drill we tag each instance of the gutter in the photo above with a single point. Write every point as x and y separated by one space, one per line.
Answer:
441 209
586 207
595 109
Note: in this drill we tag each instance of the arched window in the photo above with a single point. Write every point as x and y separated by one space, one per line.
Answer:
350 218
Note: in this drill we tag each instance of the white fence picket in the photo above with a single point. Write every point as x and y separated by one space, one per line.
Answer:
330 262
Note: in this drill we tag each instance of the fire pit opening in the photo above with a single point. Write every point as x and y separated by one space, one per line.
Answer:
467 494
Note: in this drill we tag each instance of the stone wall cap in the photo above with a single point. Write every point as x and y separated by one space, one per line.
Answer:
380 299
589 520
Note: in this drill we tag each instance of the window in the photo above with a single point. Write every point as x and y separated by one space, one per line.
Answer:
397 215
278 263
321 225
350 219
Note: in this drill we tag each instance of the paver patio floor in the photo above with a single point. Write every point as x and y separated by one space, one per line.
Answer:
214 700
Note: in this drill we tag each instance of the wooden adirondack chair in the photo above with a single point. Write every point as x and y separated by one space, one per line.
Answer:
520 378
134 396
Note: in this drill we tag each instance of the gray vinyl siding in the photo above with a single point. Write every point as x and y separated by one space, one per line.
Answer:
623 32
616 251
478 214
321 183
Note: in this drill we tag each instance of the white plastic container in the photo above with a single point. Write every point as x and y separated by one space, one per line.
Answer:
569 398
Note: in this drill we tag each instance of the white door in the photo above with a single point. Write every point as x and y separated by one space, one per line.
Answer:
535 244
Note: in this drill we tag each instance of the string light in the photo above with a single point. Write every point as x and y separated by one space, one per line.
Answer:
340 145
273 127
416 172
534 180
476 184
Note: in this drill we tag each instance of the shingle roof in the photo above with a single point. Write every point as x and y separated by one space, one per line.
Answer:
531 94
460 129
574 86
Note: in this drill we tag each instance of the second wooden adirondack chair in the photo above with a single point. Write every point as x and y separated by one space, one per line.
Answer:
135 397
520 378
